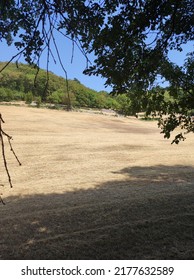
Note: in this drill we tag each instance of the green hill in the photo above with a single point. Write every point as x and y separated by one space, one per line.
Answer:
23 82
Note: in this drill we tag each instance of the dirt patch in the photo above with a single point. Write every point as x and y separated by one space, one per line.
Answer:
91 187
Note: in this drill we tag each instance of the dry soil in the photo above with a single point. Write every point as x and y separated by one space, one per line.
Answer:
94 186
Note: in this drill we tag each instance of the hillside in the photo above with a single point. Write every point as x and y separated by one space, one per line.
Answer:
24 82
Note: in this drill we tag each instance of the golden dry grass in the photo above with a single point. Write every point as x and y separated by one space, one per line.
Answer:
95 187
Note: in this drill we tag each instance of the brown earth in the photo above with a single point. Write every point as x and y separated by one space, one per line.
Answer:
94 187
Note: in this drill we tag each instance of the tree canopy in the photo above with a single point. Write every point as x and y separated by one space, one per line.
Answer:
131 41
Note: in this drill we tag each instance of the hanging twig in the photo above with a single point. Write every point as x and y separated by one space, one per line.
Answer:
72 55
69 107
13 57
1 200
3 151
2 133
12 150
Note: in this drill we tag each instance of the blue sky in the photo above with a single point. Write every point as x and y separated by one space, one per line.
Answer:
179 57
75 69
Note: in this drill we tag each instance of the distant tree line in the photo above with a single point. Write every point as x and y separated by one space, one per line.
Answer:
25 83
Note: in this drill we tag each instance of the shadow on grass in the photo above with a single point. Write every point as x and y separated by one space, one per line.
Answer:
149 215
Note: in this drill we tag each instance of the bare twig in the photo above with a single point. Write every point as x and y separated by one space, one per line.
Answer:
72 55
78 45
2 134
1 200
61 63
3 152
12 150
13 57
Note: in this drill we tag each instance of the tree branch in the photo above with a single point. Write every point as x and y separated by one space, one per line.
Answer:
2 133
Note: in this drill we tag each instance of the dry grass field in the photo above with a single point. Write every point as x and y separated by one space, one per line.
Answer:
94 187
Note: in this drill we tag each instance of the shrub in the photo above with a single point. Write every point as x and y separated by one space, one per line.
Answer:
125 106
6 94
38 101
29 97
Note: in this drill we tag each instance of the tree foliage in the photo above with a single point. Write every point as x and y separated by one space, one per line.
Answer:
131 41
19 83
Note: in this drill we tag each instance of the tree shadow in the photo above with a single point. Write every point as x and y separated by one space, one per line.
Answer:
147 215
